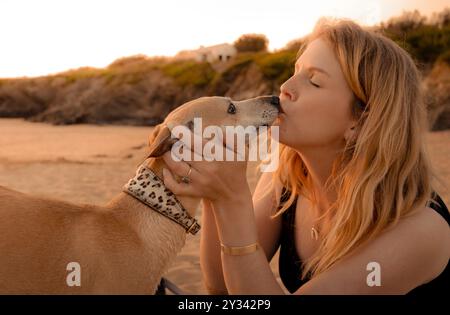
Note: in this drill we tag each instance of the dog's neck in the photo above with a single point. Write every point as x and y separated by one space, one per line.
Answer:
131 207
189 203
162 237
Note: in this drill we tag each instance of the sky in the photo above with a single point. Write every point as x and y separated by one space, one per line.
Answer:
40 37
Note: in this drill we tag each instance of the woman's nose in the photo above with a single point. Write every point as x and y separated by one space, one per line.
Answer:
285 92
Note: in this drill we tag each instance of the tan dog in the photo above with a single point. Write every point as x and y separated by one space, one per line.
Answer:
121 248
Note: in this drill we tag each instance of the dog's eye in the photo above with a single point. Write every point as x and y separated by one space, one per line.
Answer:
231 109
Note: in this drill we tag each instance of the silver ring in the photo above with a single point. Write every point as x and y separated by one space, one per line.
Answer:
186 179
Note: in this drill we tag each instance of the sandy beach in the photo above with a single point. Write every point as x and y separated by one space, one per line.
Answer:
90 164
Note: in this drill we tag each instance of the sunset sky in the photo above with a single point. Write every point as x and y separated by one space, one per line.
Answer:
48 36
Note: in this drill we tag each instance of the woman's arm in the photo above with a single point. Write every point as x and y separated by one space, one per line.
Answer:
403 257
247 274
408 255
210 260
264 201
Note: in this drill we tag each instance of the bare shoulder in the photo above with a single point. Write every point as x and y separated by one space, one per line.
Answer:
425 235
426 222
431 234
409 254
422 240
432 229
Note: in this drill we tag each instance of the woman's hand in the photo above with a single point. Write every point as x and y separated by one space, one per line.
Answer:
219 181
222 184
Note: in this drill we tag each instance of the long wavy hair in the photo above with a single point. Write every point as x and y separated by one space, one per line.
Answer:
383 173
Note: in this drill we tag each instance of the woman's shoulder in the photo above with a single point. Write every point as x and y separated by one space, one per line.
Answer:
432 218
412 252
429 219
438 205
434 215
430 233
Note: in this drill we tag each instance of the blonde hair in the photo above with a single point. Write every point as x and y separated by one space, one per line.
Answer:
384 172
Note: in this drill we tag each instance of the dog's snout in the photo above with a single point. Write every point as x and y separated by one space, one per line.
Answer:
269 99
275 100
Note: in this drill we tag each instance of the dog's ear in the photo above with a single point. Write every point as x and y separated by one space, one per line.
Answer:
160 141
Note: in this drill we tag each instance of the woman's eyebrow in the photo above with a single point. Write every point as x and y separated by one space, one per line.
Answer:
313 68
310 69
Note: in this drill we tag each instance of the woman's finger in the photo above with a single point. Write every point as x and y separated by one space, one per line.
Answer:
188 139
176 166
178 189
201 146
180 168
194 147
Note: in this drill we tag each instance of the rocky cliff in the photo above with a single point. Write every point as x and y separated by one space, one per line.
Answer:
141 91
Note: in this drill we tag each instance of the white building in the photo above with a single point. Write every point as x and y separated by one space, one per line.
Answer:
221 52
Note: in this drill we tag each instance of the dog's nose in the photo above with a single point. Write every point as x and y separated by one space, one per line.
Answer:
275 100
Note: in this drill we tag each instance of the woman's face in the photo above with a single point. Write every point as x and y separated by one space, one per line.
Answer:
316 101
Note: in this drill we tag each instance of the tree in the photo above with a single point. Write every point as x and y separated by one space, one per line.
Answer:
295 44
425 39
251 43
409 21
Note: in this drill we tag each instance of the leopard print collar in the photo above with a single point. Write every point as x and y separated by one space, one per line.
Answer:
150 190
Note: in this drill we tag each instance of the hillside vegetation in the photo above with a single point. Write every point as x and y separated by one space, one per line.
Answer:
140 90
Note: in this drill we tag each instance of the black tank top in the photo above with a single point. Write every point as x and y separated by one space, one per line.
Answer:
290 264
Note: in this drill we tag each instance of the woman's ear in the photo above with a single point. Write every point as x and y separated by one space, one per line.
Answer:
160 141
350 133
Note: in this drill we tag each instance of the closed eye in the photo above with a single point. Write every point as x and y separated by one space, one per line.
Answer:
231 109
316 85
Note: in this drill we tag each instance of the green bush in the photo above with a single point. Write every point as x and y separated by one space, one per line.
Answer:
240 62
424 39
428 42
278 66
295 44
222 80
189 72
126 61
81 73
137 64
251 43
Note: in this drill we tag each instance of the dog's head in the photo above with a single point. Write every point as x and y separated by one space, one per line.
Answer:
214 111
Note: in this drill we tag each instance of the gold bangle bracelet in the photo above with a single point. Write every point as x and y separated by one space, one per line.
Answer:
239 250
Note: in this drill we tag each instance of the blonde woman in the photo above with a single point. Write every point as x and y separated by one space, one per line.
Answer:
351 206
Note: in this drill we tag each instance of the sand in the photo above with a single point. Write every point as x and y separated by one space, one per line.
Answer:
90 164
